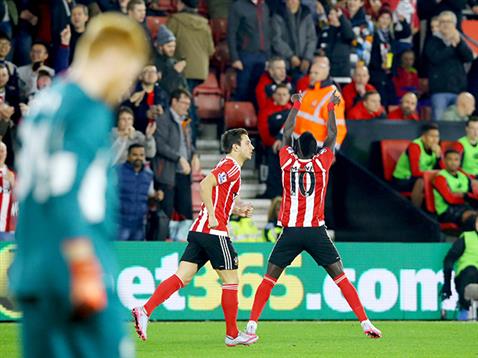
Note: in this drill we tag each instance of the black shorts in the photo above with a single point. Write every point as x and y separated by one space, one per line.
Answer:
403 185
217 249
454 213
314 240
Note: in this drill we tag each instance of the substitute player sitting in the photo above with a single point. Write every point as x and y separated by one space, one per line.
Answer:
305 173
208 239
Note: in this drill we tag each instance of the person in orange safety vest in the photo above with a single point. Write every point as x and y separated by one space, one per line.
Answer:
313 115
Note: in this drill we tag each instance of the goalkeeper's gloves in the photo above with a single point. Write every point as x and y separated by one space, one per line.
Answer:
87 290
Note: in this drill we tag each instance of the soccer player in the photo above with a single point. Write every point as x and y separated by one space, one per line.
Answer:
305 173
63 272
208 239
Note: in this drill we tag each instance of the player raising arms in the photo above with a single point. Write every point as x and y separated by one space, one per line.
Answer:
208 239
304 178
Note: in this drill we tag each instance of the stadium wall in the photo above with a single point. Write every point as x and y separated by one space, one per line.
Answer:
396 281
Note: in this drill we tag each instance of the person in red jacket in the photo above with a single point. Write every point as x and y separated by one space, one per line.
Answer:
407 109
354 92
270 121
276 74
369 108
406 79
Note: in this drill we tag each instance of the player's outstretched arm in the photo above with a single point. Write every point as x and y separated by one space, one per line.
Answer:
289 124
205 191
332 123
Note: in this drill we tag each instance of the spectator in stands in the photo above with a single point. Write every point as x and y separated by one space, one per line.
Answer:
422 154
473 78
461 258
28 74
7 185
171 69
125 134
335 39
9 112
354 92
427 9
175 156
294 37
272 230
461 110
44 79
467 146
275 75
386 33
195 45
218 8
270 121
148 100
313 114
453 194
363 29
369 108
407 109
406 79
135 183
5 48
79 18
136 10
446 55
304 82
249 42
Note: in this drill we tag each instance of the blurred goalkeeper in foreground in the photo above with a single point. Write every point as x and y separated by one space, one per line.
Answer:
63 272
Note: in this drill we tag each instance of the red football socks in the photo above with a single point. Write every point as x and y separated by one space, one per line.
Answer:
162 293
350 294
262 295
230 305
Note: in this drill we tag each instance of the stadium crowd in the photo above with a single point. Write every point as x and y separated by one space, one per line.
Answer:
391 59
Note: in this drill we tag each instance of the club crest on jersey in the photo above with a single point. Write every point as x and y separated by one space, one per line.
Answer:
222 178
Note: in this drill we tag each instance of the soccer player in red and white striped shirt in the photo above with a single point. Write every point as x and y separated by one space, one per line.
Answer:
208 239
7 198
305 174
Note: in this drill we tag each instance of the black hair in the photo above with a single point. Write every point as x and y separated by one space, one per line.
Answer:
368 94
231 137
306 145
4 36
451 151
177 93
282 85
134 146
472 119
44 73
429 127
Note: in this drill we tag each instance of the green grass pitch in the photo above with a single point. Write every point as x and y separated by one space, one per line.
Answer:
296 339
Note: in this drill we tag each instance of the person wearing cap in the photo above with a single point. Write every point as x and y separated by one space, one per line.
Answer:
171 69
194 44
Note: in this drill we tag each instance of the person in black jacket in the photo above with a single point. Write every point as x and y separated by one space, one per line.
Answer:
335 40
446 53
294 36
382 56
249 42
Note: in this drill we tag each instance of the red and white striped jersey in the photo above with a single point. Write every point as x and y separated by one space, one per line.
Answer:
304 183
228 177
7 203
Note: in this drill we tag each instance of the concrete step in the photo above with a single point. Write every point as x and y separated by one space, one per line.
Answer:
208 146
251 190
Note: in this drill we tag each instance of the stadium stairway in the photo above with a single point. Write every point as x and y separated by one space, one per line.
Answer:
209 151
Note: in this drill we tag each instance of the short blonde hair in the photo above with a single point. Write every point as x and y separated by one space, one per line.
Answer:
112 30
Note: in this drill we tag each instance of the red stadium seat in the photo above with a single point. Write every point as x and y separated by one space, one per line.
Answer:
391 150
219 29
202 8
428 178
154 22
448 144
426 113
208 99
165 5
228 83
240 115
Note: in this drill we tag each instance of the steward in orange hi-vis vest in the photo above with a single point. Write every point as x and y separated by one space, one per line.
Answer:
313 115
